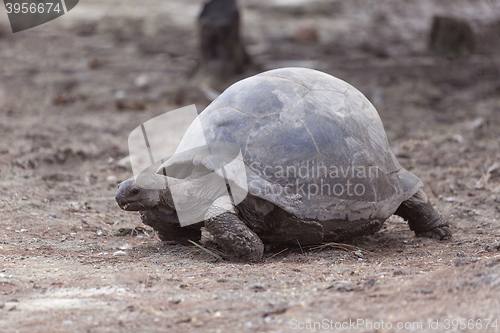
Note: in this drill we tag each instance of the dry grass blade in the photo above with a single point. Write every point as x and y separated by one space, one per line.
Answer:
300 247
276 254
340 246
206 250
486 175
345 247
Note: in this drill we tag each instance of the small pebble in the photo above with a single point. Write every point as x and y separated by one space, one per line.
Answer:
174 301
9 306
111 179
461 262
458 138
426 291
370 282
306 31
358 253
258 287
120 94
142 81
124 162
125 246
120 254
493 247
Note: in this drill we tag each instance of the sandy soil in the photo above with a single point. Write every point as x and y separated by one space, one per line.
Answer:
72 261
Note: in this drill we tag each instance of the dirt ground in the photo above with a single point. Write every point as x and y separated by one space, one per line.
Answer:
73 89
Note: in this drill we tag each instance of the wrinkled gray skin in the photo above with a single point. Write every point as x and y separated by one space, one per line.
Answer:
307 116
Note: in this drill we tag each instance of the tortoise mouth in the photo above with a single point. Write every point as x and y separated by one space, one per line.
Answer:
130 206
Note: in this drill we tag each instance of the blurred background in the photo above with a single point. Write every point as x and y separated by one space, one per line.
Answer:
133 61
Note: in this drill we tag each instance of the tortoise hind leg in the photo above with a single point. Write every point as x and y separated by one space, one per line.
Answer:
230 233
423 218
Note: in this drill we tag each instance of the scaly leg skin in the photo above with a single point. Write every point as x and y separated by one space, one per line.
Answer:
423 218
166 223
229 232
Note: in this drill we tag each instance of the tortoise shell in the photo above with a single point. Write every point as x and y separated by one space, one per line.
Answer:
310 144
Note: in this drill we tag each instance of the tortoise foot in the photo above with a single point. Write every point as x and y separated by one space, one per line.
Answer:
441 233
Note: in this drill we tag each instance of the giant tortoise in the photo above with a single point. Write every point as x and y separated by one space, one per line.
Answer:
317 167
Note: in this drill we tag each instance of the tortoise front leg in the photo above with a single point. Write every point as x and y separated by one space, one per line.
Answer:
166 223
423 218
239 242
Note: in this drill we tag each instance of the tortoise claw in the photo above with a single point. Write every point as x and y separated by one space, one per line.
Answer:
442 233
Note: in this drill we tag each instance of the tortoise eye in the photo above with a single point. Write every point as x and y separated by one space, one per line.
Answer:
134 192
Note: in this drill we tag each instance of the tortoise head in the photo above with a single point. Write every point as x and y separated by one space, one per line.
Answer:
141 193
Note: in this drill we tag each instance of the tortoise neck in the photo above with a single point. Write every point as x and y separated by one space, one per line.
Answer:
165 193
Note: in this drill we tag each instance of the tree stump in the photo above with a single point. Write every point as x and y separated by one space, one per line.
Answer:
222 51
451 36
